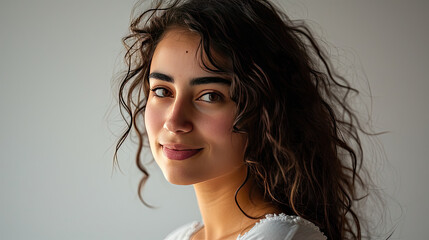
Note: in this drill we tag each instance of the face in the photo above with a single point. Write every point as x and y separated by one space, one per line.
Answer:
189 114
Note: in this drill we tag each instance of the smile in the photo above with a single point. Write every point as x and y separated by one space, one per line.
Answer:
176 154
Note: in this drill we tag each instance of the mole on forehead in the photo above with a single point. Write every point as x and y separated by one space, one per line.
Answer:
186 51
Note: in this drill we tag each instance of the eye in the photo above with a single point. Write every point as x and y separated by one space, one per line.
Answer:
210 97
161 92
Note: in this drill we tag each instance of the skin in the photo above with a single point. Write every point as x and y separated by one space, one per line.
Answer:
189 107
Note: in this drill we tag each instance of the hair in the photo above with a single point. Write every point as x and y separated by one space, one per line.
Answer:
304 150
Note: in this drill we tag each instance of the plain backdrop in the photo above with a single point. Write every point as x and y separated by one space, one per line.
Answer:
59 122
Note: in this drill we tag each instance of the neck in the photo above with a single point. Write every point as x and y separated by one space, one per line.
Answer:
221 216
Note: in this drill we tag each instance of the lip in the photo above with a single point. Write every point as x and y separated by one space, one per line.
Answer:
179 151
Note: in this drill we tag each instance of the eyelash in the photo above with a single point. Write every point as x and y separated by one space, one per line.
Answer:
219 96
158 88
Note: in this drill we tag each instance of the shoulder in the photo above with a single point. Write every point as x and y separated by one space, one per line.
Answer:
184 232
283 227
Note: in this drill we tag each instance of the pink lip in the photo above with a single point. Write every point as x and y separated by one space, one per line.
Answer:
178 152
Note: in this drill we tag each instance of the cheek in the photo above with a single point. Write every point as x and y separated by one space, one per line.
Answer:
153 120
219 121
217 127
224 143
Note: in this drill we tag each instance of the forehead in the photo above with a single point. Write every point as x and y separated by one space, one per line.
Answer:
177 43
179 35
182 47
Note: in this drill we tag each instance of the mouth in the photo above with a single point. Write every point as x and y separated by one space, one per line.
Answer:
179 152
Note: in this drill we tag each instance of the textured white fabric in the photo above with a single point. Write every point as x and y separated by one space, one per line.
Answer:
272 227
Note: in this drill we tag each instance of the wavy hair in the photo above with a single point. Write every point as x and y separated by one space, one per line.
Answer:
304 149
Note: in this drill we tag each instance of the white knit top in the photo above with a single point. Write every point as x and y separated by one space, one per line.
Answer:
272 227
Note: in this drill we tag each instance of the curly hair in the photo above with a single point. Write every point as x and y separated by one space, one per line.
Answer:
304 150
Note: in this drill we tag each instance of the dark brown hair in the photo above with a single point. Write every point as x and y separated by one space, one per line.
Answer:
304 149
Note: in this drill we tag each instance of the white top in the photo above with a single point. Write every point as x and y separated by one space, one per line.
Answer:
272 227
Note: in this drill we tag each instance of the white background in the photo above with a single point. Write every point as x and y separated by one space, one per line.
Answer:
59 121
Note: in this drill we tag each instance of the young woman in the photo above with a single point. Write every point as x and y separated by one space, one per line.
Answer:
242 103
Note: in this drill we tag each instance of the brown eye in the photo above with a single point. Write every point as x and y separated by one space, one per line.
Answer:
161 92
210 97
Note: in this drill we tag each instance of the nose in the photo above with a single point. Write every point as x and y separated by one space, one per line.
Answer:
178 119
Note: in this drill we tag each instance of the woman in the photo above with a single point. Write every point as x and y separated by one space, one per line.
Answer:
240 102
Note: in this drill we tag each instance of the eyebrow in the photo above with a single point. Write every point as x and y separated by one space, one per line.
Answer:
194 81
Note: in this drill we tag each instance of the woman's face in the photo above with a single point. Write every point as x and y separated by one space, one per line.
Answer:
189 114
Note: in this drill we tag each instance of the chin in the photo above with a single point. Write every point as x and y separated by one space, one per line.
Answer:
178 177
